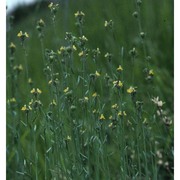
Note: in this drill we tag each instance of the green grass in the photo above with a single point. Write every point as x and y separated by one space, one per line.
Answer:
67 131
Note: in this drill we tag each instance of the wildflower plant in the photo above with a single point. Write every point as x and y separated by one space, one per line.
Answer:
86 106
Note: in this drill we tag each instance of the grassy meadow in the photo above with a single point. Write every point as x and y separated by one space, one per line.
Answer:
90 90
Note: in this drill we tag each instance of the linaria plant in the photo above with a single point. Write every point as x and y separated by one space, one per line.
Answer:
84 95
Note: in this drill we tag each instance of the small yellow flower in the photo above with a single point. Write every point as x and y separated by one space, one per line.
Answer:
124 113
102 117
41 22
118 84
105 24
21 34
120 113
12 46
66 90
84 38
11 100
18 68
31 102
74 47
110 117
79 14
119 69
108 24
50 5
26 34
35 91
131 90
97 73
69 138
53 103
86 99
115 106
39 91
30 81
50 82
151 72
98 51
26 108
110 125
94 94
81 54
53 7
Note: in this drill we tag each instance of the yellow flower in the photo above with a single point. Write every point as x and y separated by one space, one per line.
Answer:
151 72
131 90
26 108
21 34
50 5
30 81
119 69
105 24
120 113
74 47
115 106
81 54
69 138
66 90
35 91
39 91
97 73
12 46
11 100
124 113
94 94
18 68
110 125
26 34
53 103
86 99
102 117
79 14
41 22
98 51
118 84
31 102
110 117
23 108
108 24
50 82
83 38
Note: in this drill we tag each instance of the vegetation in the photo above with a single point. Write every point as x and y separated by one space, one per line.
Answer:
90 91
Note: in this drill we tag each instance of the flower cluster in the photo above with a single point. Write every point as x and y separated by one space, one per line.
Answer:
79 15
22 36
